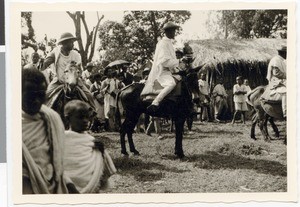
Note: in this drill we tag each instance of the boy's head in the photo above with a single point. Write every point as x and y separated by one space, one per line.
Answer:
34 87
239 80
97 77
246 82
78 114
35 57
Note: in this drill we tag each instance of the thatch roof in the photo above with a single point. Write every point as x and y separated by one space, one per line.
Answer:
247 50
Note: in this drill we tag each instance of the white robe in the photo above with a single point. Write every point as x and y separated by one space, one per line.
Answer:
163 65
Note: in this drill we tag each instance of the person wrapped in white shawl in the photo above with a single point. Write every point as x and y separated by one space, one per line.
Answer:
86 161
42 140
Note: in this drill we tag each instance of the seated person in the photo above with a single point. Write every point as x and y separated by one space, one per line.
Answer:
42 140
61 56
161 77
86 161
276 90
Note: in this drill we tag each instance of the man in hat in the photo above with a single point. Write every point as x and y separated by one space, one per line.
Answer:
61 56
165 64
276 90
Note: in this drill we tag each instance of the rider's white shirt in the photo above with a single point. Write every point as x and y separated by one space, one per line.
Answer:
63 61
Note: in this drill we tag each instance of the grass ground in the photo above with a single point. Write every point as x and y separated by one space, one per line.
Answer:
219 158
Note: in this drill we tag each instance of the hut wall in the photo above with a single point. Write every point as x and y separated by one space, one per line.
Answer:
254 71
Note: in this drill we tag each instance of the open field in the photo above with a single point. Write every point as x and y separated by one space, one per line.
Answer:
219 158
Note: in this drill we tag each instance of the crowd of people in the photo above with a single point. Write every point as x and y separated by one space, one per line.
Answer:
70 160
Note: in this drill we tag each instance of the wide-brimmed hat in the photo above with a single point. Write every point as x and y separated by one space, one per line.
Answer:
169 25
89 65
282 48
179 50
66 36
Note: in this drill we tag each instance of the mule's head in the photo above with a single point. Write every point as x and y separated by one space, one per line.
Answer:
71 75
191 78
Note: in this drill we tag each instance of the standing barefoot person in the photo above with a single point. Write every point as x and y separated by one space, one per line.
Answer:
240 105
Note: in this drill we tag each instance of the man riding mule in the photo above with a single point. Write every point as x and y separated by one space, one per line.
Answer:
276 89
173 100
161 79
61 57
270 101
66 84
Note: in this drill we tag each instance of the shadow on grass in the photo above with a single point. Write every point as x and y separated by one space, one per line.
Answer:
140 169
213 160
108 142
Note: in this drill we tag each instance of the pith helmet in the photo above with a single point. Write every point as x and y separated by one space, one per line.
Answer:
169 25
66 36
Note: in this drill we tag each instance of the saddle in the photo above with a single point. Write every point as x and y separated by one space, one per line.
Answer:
274 109
172 96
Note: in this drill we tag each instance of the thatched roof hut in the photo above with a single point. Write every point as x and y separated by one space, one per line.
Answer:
230 58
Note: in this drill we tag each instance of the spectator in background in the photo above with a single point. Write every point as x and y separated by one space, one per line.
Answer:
110 87
239 99
34 64
126 76
86 74
99 102
204 96
220 100
246 83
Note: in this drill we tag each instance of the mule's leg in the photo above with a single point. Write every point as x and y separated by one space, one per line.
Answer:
275 128
133 118
263 128
179 124
122 138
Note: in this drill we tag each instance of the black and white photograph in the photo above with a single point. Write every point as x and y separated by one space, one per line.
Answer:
146 101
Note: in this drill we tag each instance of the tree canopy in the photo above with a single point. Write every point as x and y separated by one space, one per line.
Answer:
87 51
138 34
250 23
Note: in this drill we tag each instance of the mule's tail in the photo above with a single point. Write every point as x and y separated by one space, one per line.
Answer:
254 94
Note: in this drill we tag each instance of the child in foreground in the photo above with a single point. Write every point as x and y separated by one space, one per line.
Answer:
86 161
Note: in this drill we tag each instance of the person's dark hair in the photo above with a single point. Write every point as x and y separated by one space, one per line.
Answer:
97 76
76 105
33 75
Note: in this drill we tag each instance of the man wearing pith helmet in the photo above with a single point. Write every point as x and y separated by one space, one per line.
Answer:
160 80
61 56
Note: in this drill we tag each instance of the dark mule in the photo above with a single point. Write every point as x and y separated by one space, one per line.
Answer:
178 107
66 92
264 112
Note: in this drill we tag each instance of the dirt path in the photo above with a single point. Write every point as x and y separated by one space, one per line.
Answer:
219 158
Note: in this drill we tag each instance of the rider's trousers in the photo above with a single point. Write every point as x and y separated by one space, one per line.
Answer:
164 92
